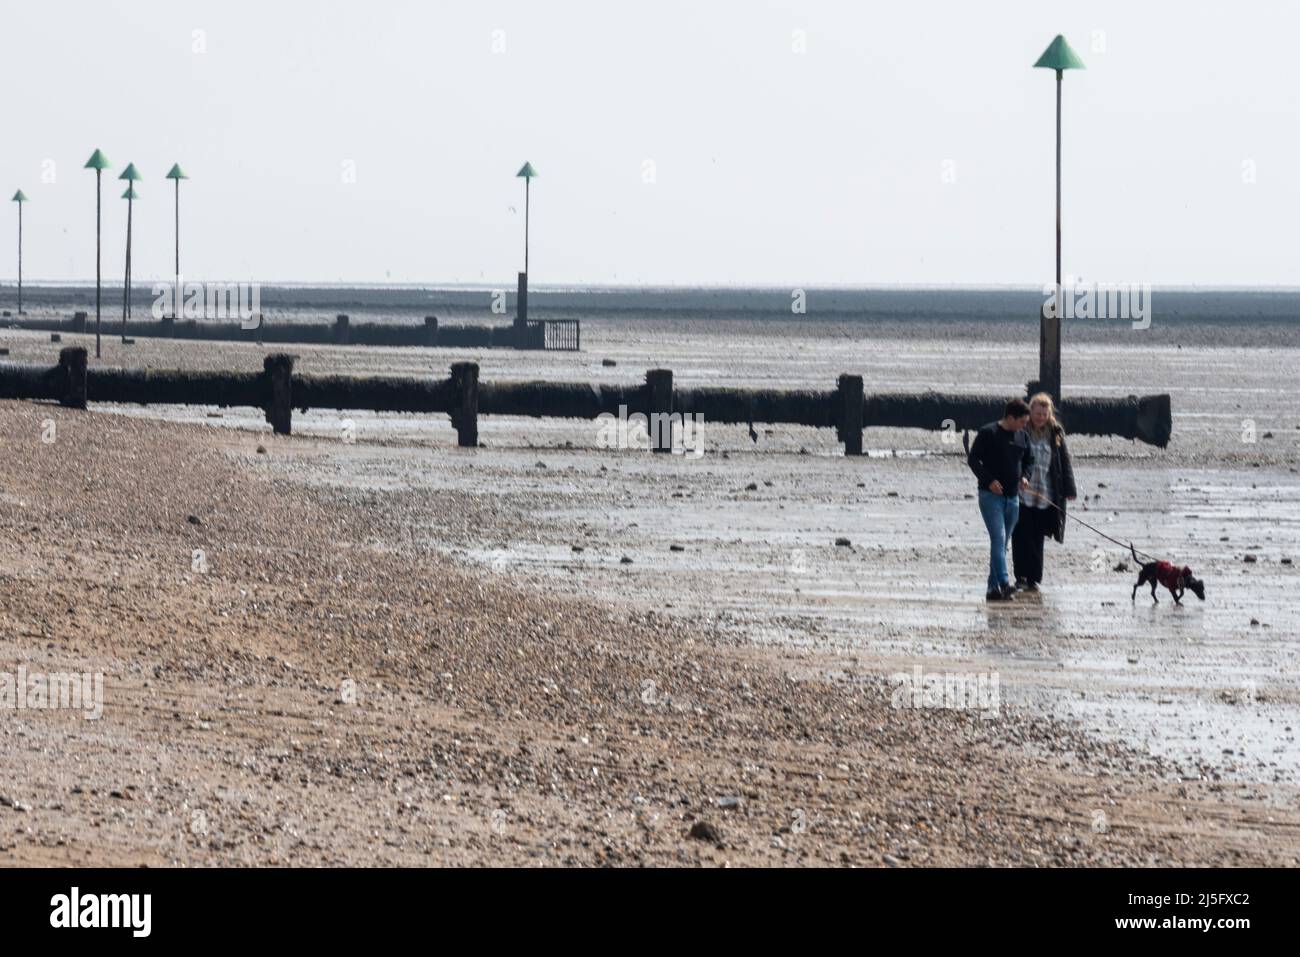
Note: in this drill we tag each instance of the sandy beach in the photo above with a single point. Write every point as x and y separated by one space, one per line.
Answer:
561 653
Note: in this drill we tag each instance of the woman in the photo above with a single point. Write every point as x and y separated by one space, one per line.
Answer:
1042 504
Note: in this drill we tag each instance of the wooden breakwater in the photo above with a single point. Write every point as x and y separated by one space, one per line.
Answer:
551 334
278 390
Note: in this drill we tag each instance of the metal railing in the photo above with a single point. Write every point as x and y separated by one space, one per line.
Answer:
563 335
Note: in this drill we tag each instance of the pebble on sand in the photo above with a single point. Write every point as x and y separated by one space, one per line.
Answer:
705 831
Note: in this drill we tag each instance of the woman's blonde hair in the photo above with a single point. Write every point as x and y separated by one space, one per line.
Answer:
1053 423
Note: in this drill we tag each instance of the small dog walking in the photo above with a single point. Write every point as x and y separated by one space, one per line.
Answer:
1177 580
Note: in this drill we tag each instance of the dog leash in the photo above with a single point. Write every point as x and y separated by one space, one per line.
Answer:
1128 545
965 441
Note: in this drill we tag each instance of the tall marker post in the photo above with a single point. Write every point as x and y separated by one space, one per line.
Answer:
132 176
521 312
98 162
20 197
1059 57
177 174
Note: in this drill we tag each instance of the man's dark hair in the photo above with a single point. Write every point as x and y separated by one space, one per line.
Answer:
1015 409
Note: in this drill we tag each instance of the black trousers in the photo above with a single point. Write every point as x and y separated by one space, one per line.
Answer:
1033 528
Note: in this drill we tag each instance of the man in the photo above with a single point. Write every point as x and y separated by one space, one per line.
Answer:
1000 458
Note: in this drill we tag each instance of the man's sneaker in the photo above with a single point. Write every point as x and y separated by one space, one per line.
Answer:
997 594
1008 591
1031 586
1020 584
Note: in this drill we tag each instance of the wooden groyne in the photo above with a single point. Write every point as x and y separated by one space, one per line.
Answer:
278 390
551 334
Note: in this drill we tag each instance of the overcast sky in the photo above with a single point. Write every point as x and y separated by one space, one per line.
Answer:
676 143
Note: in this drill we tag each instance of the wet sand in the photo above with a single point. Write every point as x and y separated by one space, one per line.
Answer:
1205 694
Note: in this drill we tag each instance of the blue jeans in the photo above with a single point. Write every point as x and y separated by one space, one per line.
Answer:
1000 514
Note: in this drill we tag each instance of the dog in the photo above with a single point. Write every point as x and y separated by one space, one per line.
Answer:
1179 581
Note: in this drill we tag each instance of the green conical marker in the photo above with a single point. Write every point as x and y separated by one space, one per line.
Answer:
1059 57
177 174
132 175
527 172
98 162
20 197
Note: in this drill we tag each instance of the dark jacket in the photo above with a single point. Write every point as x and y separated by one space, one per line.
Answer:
1060 480
999 454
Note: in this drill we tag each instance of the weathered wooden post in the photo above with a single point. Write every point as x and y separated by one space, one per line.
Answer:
849 413
72 368
341 330
464 416
279 374
79 322
659 393
1154 421
430 330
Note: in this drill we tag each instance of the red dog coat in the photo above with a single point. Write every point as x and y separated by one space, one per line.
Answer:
1169 576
